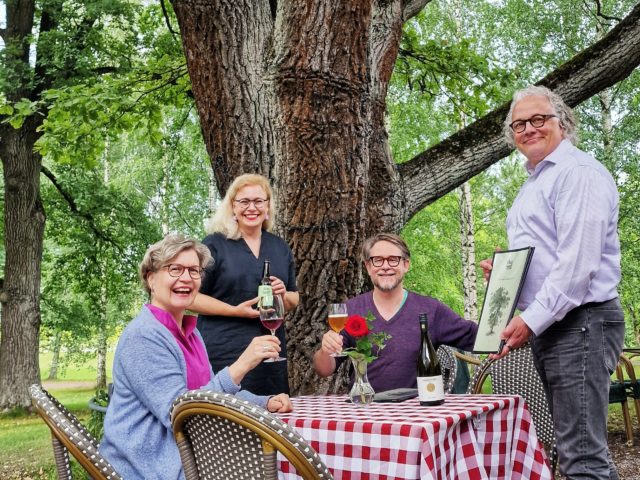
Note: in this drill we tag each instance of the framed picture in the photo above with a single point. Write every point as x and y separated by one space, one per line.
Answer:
501 297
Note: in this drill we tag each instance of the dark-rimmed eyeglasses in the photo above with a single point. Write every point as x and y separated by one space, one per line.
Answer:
392 260
259 203
537 121
176 270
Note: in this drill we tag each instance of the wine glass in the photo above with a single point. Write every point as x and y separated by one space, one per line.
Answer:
272 316
337 320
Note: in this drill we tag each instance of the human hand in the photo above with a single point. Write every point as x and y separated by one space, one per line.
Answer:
331 343
515 334
280 403
260 348
277 286
487 265
246 310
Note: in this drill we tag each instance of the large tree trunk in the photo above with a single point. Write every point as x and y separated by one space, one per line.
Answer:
24 228
299 95
24 216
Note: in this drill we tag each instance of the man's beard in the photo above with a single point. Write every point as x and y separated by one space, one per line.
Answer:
388 286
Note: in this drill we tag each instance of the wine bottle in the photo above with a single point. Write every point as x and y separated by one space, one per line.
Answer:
265 292
430 387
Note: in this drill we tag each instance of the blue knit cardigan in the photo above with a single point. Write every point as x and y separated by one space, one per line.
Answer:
149 372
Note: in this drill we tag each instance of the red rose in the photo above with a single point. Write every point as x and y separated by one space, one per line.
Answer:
356 326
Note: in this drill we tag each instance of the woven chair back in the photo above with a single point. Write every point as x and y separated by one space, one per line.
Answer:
220 436
68 435
516 374
449 366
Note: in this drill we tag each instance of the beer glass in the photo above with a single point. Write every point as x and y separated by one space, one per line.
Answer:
337 320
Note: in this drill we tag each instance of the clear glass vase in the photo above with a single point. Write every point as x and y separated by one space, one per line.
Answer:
362 392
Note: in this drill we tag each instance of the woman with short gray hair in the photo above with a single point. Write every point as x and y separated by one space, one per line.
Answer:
161 355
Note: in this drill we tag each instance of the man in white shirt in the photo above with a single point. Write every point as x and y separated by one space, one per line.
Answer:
568 210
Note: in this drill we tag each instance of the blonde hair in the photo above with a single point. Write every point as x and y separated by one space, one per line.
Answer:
158 254
223 220
565 115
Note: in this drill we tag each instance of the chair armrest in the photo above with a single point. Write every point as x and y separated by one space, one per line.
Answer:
467 358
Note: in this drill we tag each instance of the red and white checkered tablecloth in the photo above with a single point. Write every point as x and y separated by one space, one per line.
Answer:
473 437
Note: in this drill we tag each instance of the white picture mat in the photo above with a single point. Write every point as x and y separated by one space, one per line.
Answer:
507 276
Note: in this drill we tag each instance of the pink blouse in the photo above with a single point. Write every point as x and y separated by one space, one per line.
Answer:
195 355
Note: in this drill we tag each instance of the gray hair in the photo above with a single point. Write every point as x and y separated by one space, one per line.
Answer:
160 253
565 115
223 220
384 237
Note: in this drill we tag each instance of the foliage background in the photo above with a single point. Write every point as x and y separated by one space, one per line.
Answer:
124 144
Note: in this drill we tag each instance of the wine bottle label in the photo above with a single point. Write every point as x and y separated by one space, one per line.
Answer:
430 389
265 292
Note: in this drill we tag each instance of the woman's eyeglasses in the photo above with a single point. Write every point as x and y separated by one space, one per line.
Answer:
176 270
259 203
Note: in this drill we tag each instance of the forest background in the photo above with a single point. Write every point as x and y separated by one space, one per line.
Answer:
123 160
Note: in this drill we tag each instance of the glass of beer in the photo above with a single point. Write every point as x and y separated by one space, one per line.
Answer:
337 320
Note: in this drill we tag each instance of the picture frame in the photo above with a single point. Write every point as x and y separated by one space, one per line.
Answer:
501 297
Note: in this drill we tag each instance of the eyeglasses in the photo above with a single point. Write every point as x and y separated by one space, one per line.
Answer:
176 270
258 202
537 121
392 260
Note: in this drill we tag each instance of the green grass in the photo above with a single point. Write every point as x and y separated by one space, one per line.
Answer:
83 372
25 440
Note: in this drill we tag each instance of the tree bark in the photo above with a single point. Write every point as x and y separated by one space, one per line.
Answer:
468 244
24 215
24 228
231 41
298 94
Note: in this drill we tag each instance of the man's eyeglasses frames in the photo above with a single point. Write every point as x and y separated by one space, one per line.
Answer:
537 121
392 260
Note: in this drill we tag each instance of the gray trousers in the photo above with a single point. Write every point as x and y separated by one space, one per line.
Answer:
575 358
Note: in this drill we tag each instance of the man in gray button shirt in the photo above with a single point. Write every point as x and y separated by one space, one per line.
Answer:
568 210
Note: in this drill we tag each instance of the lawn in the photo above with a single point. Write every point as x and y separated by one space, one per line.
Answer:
25 441
83 372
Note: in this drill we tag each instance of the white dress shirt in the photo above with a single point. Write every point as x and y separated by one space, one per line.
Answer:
568 210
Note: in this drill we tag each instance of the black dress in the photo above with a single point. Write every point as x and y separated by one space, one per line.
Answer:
234 278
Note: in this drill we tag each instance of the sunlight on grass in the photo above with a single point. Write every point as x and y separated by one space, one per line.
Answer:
84 372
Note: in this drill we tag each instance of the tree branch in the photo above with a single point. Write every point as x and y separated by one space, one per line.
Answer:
165 14
602 15
412 8
76 211
447 165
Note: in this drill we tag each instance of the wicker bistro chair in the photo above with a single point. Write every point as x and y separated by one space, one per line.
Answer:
68 435
623 388
449 366
515 374
220 436
631 383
